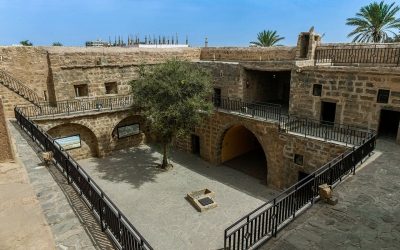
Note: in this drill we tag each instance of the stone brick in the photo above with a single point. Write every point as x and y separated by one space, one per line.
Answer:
395 93
371 91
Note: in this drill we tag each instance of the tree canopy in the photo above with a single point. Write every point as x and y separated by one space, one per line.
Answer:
57 44
173 96
267 38
26 43
373 22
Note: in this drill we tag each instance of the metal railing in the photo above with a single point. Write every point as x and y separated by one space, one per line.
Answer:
18 87
329 131
267 220
113 222
78 106
252 108
358 54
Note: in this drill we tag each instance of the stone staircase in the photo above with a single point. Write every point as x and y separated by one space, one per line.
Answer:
18 87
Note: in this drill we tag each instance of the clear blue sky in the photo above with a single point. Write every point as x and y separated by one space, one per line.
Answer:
225 23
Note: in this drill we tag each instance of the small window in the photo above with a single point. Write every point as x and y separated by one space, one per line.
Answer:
298 159
221 74
383 96
81 90
317 89
111 88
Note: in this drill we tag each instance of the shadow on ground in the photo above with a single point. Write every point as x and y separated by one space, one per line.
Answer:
135 166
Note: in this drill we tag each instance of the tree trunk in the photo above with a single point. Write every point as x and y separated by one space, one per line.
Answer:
165 156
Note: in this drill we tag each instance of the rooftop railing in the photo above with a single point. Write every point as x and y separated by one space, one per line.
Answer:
368 55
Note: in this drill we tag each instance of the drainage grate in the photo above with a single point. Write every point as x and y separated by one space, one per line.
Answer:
206 201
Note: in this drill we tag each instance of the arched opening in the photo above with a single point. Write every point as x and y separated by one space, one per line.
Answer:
88 140
130 131
242 151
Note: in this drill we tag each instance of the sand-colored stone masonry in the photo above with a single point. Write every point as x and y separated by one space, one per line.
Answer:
95 67
228 77
275 53
10 99
353 89
96 131
279 148
5 142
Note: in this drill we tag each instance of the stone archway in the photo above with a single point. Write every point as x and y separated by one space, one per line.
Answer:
241 149
89 143
118 142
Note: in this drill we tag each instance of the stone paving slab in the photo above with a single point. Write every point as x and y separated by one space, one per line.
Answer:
155 201
367 215
70 224
23 225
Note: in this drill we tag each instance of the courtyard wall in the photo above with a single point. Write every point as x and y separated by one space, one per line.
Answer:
280 148
97 131
353 89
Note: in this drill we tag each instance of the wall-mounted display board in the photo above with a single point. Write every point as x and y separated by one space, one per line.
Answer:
129 130
69 142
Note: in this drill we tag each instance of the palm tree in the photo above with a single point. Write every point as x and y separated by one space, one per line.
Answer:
373 22
267 38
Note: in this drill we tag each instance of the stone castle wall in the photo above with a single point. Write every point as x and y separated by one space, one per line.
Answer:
97 66
279 148
5 143
53 71
354 90
275 53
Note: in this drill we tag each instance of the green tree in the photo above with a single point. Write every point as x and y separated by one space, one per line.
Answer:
172 96
373 22
57 44
267 38
26 43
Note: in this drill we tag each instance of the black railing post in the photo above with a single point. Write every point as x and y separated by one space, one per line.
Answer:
31 127
253 109
353 159
101 214
275 218
68 170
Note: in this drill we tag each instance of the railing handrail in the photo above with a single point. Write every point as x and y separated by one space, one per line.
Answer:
68 157
33 96
246 101
358 53
78 105
327 123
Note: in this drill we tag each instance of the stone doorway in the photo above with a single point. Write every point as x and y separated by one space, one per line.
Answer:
268 87
242 151
328 112
196 145
217 97
389 125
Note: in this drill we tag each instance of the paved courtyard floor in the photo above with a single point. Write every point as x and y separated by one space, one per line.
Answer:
366 217
155 201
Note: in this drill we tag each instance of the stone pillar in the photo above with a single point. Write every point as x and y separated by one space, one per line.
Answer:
306 44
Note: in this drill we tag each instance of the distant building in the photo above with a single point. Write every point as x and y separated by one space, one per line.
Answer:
97 43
